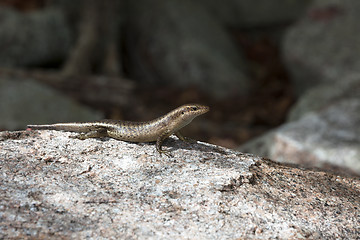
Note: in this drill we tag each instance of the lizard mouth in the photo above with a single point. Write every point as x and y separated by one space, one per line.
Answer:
204 109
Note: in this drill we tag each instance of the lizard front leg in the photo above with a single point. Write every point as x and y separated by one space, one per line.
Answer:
185 139
159 143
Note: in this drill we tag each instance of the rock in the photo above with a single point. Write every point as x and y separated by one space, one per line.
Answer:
331 137
24 102
328 139
325 95
31 39
323 130
256 13
180 43
261 145
53 186
323 46
322 54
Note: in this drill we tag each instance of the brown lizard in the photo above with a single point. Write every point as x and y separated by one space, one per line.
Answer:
150 131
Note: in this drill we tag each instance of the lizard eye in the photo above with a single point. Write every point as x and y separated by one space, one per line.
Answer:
182 112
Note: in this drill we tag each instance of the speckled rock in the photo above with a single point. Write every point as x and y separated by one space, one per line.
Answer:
53 186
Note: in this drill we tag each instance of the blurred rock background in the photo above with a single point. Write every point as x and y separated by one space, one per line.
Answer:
281 77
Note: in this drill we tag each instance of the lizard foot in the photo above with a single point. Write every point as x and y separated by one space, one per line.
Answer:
167 153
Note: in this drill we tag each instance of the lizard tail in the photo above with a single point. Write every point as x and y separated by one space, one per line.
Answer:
71 127
40 127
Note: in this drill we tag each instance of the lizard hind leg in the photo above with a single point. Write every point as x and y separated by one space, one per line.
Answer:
91 134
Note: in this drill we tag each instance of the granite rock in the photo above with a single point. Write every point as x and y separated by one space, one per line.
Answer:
53 186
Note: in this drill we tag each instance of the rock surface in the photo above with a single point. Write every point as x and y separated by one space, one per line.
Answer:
324 47
53 186
329 138
25 101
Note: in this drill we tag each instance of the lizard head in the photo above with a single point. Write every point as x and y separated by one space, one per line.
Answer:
184 114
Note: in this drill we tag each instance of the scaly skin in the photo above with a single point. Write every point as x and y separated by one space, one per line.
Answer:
156 130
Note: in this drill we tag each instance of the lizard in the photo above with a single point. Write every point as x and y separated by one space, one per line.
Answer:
156 130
